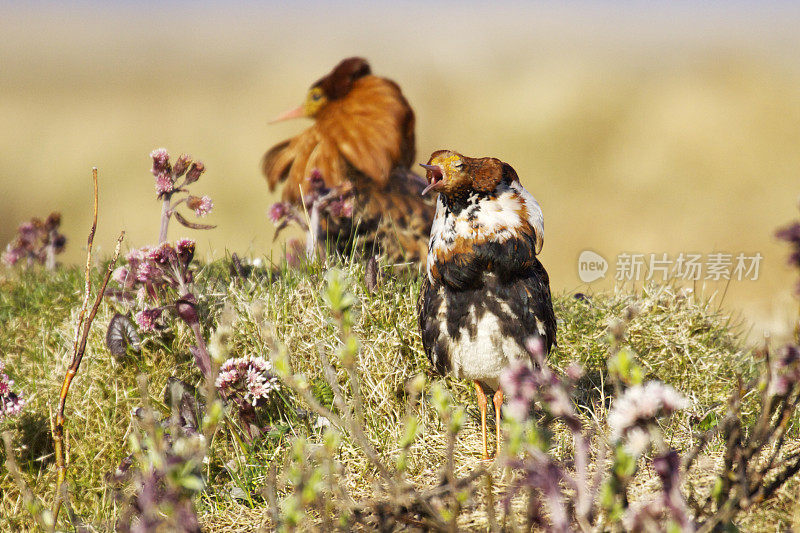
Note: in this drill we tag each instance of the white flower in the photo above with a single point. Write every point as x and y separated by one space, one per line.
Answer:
249 376
643 403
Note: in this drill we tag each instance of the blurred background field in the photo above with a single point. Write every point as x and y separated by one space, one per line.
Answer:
639 127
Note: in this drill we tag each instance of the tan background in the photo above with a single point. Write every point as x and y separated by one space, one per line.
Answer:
639 128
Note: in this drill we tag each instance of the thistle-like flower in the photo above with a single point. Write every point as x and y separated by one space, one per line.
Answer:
163 254
181 165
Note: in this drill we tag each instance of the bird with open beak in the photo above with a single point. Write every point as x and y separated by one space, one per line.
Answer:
361 144
485 293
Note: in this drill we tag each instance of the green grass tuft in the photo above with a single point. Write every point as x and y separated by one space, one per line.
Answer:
678 339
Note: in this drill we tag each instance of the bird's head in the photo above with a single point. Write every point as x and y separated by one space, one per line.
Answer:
336 85
453 174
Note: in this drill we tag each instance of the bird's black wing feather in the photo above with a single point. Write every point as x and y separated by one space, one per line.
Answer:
428 303
529 304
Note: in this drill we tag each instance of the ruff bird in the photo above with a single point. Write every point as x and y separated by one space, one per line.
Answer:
485 293
358 153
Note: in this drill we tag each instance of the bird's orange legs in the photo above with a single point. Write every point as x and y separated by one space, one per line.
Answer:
498 404
482 404
482 407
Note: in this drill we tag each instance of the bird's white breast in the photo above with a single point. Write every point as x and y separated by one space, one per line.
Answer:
484 355
494 219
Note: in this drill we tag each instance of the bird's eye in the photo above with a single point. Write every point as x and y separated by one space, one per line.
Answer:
459 164
316 96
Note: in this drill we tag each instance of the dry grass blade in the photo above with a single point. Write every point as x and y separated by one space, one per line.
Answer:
83 327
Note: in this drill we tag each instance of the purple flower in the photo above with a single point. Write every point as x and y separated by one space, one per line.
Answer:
147 319
146 271
341 208
790 233
316 182
520 385
28 233
11 405
278 211
160 158
162 255
201 205
138 254
120 275
185 250
642 404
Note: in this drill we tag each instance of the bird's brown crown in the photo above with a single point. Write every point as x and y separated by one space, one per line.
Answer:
335 85
451 173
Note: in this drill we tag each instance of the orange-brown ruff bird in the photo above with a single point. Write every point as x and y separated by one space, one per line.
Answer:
485 292
361 142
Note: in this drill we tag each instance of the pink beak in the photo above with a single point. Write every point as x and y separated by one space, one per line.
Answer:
292 113
435 176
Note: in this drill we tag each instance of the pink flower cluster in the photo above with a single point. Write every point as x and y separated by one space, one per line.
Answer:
247 378
11 404
156 266
150 271
168 177
148 319
335 202
37 241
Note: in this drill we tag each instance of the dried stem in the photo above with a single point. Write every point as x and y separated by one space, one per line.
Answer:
79 348
166 213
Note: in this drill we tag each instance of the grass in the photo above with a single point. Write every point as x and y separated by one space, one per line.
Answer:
678 338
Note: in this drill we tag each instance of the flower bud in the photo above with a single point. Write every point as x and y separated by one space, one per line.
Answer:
186 307
185 249
181 165
194 172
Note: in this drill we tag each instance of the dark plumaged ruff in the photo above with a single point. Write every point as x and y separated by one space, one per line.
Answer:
451 318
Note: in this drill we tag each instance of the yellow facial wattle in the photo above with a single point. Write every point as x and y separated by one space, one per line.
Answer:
315 100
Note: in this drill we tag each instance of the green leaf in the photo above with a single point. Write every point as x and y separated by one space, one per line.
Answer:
624 463
191 482
623 365
410 433
710 421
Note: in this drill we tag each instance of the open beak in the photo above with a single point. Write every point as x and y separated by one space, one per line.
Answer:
297 112
435 178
